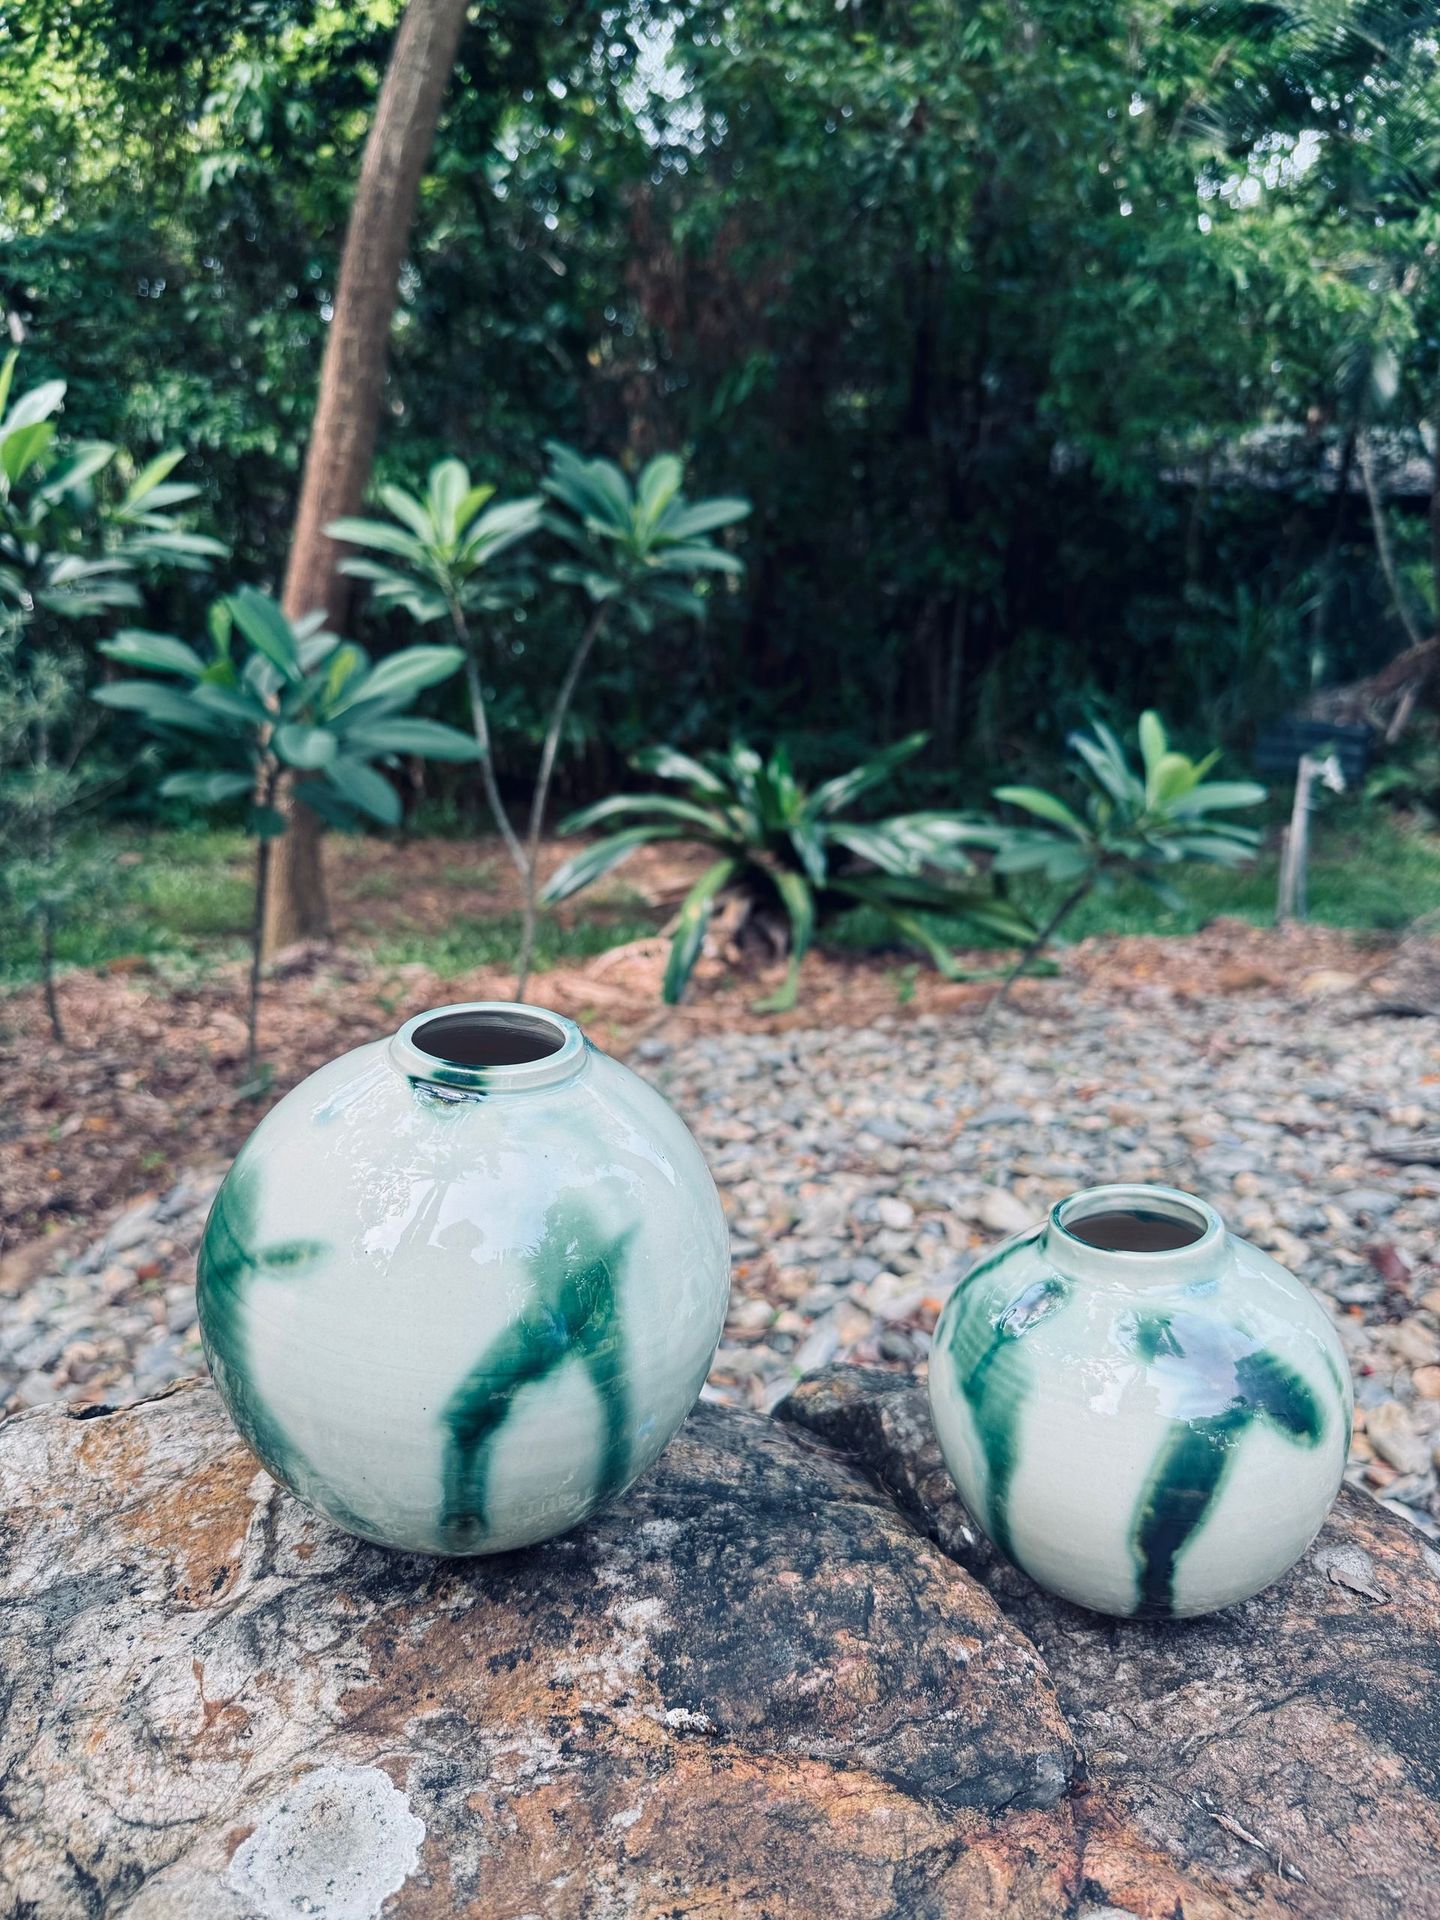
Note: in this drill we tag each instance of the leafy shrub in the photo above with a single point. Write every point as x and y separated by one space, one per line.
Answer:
73 550
300 701
639 550
776 842
1141 823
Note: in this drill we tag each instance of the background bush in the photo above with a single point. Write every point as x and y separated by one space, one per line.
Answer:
1031 332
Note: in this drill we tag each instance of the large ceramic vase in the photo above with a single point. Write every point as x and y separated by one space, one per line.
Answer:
1146 1414
462 1285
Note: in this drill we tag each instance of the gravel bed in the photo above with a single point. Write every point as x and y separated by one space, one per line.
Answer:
865 1169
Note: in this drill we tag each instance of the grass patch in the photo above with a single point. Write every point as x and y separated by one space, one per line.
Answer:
188 894
1369 870
473 940
185 892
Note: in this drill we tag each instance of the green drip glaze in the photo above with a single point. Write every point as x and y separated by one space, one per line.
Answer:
468 1080
1249 1385
994 1376
572 1314
229 1262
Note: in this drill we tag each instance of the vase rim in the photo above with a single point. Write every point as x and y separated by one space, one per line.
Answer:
488 1046
1134 1267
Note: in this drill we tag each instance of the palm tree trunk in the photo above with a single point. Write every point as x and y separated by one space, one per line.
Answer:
352 378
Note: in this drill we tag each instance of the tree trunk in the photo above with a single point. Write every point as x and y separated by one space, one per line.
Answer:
352 378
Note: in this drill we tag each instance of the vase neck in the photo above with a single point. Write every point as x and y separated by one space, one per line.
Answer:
1134 1236
489 1047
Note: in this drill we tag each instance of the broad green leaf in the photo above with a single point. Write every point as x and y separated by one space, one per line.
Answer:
406 507
426 737
598 859
308 748
1213 795
710 824
159 651
33 407
23 446
89 458
689 522
264 625
380 535
400 677
668 763
448 484
473 501
210 788
7 375
159 704
690 927
365 789
1153 744
657 486
1109 769
1172 775
1045 806
799 901
833 796
235 703
143 486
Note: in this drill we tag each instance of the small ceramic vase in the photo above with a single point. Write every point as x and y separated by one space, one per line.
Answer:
1147 1415
462 1285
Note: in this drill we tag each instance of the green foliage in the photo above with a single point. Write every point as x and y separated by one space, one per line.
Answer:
1144 822
45 867
74 548
1409 777
70 549
301 712
446 543
1039 336
643 547
779 843
301 700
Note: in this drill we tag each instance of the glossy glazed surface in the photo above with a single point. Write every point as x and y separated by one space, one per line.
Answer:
456 1308
1145 1433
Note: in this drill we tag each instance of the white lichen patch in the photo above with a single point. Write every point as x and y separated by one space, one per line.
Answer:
335 1845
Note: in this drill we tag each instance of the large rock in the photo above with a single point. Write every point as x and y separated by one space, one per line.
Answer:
1286 1750
751 1687
763 1684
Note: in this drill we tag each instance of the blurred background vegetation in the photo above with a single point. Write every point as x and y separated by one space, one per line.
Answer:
1075 357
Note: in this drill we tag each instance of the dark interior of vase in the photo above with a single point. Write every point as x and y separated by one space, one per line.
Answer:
1136 1230
488 1039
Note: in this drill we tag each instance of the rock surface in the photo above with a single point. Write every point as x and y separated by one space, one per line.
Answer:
1287 1749
763 1684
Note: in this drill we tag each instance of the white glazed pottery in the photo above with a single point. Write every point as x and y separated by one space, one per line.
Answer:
1152 1429
462 1285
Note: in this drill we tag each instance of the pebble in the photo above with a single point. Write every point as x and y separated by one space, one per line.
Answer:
865 1170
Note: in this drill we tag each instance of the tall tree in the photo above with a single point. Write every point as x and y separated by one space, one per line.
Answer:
352 379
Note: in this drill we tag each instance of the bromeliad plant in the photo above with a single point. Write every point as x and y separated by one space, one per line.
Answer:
640 551
269 698
1141 823
777 843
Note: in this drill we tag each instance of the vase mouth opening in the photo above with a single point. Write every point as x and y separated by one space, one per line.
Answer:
488 1046
1149 1232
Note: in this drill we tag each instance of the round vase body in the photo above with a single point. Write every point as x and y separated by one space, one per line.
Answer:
461 1286
1152 1429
